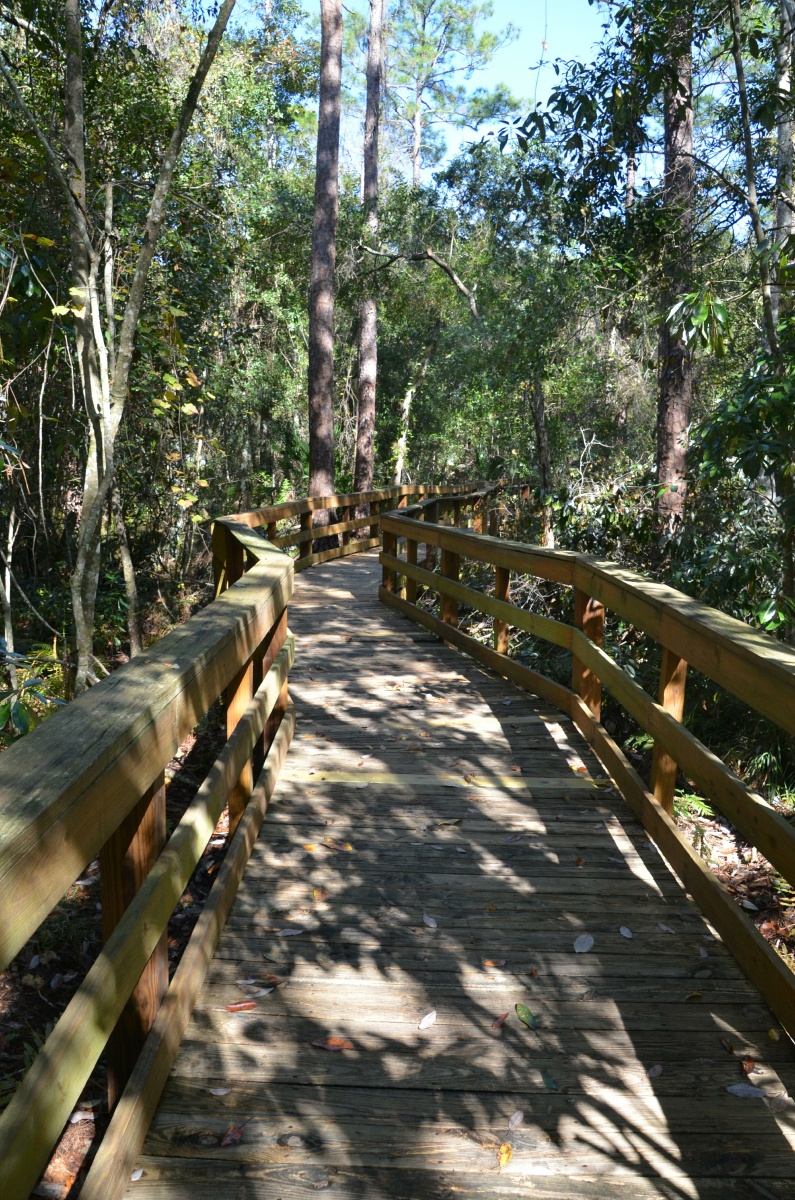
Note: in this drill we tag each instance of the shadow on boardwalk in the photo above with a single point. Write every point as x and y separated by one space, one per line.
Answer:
441 839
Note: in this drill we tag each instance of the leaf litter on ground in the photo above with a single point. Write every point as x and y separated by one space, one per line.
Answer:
583 943
428 1020
526 1016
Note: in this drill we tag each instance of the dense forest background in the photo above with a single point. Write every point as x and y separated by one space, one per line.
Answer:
592 294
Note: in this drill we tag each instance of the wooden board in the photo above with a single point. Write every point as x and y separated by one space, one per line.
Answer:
623 1082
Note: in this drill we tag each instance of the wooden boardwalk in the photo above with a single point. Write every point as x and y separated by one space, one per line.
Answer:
440 840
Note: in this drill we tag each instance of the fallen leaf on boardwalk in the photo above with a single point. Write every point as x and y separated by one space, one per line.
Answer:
579 862
274 979
581 770
361 785
469 779
241 1006
310 846
457 821
233 1134
703 952
506 702
505 1152
499 1021
774 1035
665 928
548 1081
583 943
253 991
745 1090
220 1091
727 1046
288 932
320 893
747 1065
655 1071
693 996
423 734
428 1020
516 770
312 770
534 972
516 1119
333 1043
515 837
494 962
137 1174
525 1016
430 922
626 932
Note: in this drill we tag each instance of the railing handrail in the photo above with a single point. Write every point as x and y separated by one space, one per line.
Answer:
68 787
731 653
748 663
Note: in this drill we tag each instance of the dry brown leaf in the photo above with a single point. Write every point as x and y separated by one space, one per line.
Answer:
333 1043
504 1155
320 893
727 1046
579 862
233 1134
499 1021
516 770
469 779
534 972
311 847
241 1006
494 962
747 1065
423 734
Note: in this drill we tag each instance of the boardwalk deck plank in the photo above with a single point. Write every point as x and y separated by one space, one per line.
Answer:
539 856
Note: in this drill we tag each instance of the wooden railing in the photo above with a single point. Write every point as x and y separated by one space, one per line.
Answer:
750 665
90 782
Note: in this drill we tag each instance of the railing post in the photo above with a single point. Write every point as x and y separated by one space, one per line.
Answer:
494 522
305 520
457 513
431 517
502 591
124 863
345 515
411 559
451 569
479 515
375 526
390 547
272 530
589 616
673 675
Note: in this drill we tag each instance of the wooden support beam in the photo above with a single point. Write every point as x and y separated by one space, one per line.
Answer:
589 616
673 675
389 575
502 591
344 514
272 528
124 863
238 697
451 569
431 517
375 525
479 516
411 560
494 521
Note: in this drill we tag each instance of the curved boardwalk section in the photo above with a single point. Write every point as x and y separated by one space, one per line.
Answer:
440 842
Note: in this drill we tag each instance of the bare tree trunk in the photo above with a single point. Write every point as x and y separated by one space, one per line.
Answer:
416 147
408 400
675 364
323 261
783 139
632 152
128 571
368 310
544 462
5 595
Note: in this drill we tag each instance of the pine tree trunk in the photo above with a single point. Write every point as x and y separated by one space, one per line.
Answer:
783 140
675 365
368 310
405 408
323 261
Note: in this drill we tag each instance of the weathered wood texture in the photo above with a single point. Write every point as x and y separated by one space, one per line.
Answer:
441 839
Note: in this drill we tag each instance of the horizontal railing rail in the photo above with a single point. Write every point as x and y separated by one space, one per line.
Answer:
90 782
749 664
